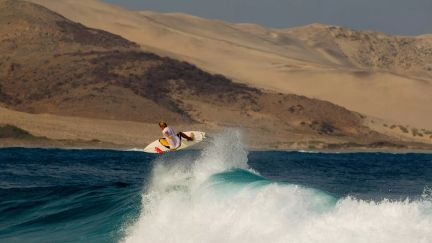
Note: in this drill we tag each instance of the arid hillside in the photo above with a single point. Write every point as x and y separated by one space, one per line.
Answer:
372 51
56 66
53 65
373 73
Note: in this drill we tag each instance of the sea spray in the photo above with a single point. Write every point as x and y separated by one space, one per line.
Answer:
215 197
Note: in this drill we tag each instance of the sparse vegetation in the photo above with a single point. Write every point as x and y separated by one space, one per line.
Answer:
403 129
78 33
323 127
3 96
415 132
376 145
381 144
296 108
427 132
10 131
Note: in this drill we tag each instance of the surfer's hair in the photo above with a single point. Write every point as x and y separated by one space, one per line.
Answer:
162 123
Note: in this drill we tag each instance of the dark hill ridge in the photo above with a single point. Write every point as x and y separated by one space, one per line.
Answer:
31 25
52 65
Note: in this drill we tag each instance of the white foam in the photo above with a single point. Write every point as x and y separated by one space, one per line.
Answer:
184 203
308 151
134 150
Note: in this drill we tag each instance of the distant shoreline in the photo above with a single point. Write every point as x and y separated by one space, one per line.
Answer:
250 149
15 137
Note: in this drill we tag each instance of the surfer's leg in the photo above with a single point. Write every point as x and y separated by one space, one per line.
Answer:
183 135
164 143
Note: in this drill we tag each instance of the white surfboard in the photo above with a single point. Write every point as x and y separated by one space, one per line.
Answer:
156 147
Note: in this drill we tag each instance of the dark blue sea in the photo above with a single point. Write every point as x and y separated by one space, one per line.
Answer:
222 193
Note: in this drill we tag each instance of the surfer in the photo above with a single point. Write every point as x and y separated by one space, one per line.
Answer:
174 140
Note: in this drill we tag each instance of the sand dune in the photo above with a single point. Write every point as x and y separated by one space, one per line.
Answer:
312 60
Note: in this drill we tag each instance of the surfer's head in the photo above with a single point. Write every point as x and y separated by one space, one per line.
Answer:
162 124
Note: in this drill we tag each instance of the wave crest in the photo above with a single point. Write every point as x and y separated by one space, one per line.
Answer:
216 197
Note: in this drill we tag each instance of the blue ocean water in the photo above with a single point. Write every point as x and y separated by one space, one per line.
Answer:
219 194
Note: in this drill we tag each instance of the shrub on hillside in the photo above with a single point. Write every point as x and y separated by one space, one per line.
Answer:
10 131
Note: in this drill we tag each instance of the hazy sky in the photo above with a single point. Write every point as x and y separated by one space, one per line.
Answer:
409 17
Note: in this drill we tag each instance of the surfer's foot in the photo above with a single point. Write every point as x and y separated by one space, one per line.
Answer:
191 137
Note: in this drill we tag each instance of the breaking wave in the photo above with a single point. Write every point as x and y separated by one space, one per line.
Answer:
216 197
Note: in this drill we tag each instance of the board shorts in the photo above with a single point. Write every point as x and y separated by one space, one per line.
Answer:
165 143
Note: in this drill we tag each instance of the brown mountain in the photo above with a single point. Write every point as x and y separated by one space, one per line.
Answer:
56 66
377 74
